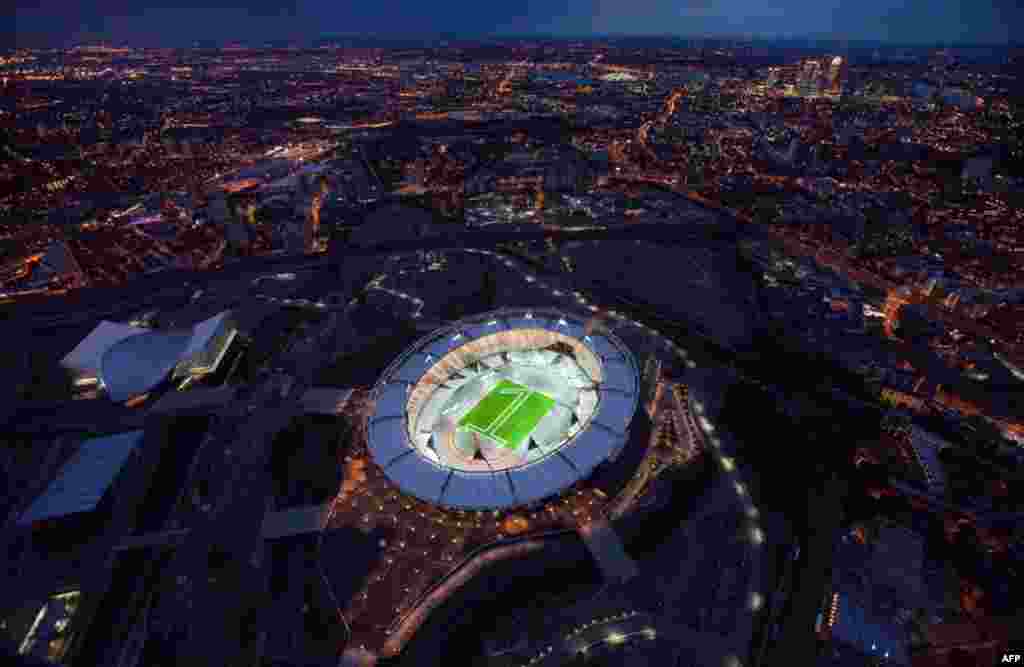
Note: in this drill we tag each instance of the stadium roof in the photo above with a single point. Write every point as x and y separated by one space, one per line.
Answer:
406 392
83 480
86 356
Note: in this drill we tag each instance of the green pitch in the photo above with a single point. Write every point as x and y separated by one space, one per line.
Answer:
508 413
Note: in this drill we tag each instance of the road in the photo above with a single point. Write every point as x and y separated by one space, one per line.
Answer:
797 643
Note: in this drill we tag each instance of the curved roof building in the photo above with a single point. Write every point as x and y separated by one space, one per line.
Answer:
503 409
136 364
139 363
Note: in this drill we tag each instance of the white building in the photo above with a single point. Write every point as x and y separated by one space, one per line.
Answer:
84 360
128 361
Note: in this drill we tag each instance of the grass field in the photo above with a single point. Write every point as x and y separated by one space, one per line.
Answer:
508 413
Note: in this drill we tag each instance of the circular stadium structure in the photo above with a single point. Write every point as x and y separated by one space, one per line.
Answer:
503 409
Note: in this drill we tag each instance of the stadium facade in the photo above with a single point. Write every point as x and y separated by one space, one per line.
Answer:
505 409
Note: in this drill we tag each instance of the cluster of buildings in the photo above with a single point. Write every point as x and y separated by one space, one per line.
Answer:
151 450
882 234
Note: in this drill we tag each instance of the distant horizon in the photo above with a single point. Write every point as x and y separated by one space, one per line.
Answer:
435 38
179 23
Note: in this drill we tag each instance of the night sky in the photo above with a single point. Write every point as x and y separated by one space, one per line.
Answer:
180 22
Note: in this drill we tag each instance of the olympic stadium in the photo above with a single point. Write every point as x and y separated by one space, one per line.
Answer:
502 410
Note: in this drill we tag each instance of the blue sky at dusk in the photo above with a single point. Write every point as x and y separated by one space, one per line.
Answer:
178 22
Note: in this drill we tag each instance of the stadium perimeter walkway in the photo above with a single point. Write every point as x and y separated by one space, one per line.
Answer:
606 547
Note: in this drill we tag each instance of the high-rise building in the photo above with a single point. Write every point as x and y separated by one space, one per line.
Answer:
835 75
810 75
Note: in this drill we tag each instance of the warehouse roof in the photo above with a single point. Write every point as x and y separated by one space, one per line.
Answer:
84 479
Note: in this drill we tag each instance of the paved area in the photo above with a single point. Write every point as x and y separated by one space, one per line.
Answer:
295 521
206 399
201 618
608 551
688 605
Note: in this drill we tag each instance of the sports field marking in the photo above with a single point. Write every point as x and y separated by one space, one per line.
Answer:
508 413
530 411
512 409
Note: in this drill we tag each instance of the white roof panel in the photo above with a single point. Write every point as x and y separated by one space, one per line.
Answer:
493 361
546 357
82 481
615 410
552 426
519 356
587 404
417 476
388 439
86 356
432 409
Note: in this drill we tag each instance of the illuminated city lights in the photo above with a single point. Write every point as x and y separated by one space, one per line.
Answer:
329 196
